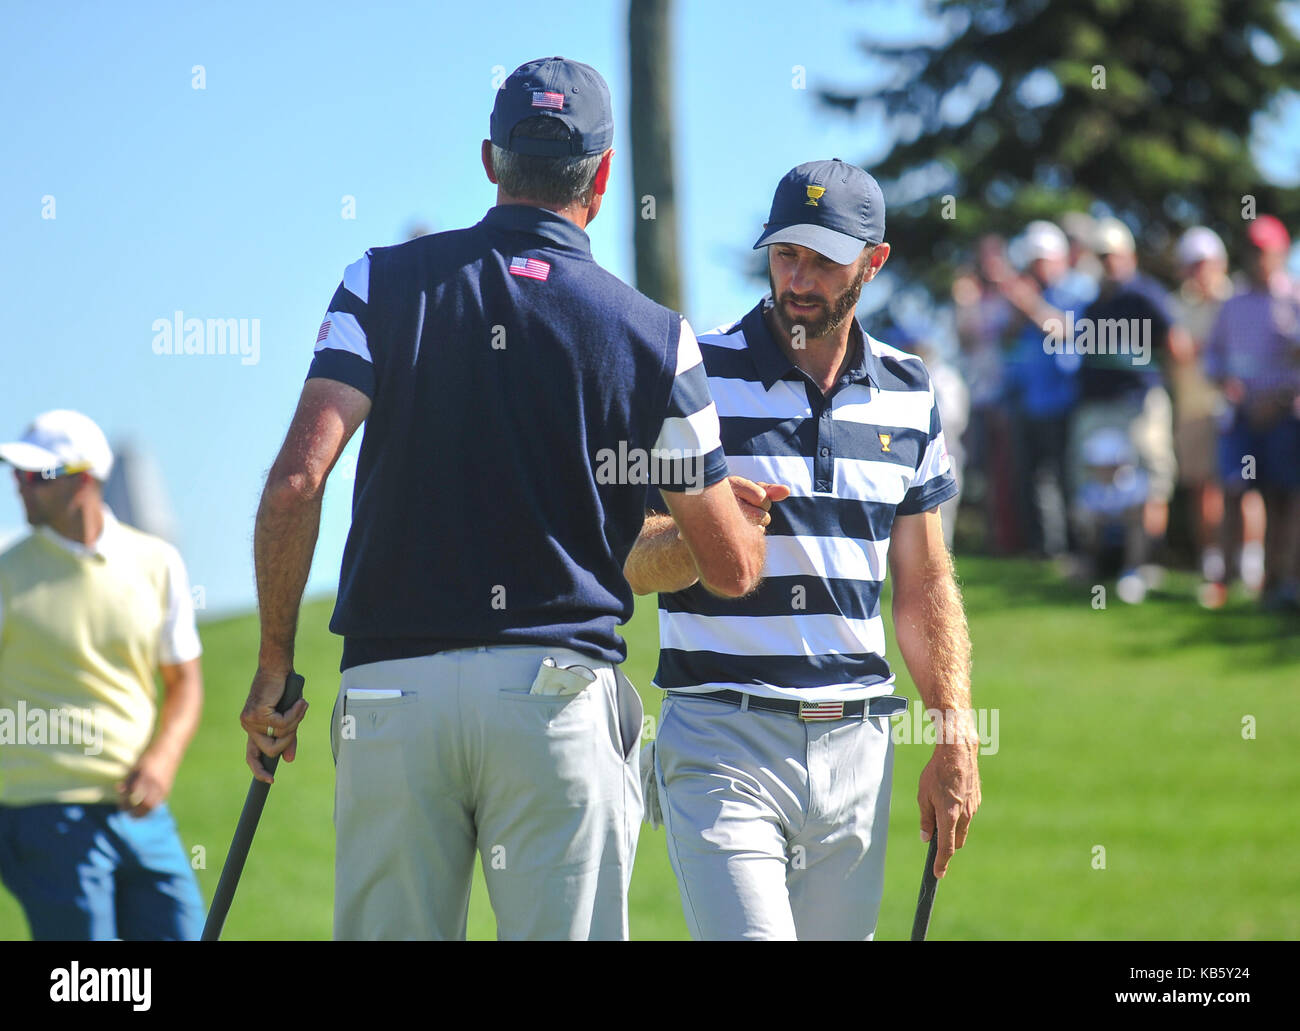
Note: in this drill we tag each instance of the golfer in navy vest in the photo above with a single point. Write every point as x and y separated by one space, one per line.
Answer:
519 403
773 762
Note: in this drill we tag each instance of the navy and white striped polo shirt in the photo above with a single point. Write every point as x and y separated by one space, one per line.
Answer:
519 392
853 460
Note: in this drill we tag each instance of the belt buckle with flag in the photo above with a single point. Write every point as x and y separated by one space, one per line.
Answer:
821 710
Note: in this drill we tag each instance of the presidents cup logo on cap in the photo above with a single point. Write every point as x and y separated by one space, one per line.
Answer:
552 87
831 207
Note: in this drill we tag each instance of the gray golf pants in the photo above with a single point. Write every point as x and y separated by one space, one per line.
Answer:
776 826
545 787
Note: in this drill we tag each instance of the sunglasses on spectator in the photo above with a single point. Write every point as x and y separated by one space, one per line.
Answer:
35 477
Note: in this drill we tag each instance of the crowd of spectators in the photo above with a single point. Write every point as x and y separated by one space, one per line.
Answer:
1086 398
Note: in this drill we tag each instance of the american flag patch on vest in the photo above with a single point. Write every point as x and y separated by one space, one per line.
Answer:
530 268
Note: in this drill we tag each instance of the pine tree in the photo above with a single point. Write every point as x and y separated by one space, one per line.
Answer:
1032 108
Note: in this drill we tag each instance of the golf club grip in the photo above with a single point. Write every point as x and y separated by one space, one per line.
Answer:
244 830
929 885
293 685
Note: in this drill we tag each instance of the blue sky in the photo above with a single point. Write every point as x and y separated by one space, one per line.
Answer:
226 202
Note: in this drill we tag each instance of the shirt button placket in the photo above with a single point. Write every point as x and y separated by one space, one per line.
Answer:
824 454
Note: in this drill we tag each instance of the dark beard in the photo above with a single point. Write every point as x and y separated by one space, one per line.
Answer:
841 309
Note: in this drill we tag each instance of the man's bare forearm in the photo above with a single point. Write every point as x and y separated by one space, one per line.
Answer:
284 540
660 560
930 625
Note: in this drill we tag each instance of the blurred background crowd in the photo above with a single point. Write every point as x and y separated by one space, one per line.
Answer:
1118 424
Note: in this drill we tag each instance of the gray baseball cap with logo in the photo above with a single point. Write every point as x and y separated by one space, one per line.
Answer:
831 207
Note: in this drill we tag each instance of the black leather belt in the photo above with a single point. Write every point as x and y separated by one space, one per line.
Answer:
885 705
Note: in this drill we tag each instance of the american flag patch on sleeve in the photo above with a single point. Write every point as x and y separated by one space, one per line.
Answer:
530 268
324 331
549 100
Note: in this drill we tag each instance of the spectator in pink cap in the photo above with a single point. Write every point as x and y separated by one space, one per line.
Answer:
1254 354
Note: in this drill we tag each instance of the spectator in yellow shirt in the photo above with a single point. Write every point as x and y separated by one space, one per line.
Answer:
89 609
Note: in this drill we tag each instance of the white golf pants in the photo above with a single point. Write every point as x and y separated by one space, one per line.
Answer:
776 826
444 755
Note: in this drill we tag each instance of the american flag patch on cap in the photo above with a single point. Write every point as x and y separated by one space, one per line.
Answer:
324 331
547 99
530 268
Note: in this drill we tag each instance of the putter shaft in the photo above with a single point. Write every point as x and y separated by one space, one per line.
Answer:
247 826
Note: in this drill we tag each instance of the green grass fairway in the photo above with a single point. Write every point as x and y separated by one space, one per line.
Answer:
1118 729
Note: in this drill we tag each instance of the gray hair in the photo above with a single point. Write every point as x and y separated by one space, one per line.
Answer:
557 182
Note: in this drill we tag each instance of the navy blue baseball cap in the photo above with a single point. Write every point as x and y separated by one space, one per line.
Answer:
831 207
569 91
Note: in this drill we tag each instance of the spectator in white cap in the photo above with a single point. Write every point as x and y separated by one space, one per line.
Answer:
1205 286
89 609
1041 390
1122 334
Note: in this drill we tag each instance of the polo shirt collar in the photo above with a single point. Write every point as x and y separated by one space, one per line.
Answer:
772 364
103 547
555 229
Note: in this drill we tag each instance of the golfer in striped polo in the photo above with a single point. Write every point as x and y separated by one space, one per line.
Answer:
773 759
